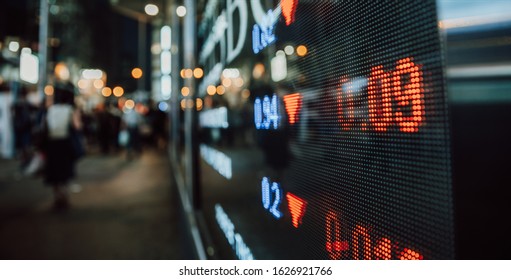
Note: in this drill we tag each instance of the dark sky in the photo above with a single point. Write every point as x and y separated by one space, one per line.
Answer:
17 17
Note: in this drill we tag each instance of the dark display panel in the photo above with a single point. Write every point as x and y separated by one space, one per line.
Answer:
324 130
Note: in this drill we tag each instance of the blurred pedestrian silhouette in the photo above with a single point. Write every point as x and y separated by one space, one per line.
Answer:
22 118
116 119
157 120
63 122
104 128
131 121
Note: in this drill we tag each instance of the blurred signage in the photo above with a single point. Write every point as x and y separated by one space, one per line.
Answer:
218 160
165 62
235 240
279 66
29 66
214 118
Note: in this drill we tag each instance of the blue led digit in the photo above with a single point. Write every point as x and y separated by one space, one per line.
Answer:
256 39
258 114
271 197
274 112
276 202
264 34
266 113
265 189
268 33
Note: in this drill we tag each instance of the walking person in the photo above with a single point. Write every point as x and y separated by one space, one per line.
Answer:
62 121
132 120
22 116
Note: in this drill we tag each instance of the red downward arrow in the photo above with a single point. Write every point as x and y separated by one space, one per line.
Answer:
288 10
293 103
297 208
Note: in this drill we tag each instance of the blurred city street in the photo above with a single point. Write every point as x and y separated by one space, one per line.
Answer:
254 130
120 210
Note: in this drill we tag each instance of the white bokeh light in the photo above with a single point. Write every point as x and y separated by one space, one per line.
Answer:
151 9
181 11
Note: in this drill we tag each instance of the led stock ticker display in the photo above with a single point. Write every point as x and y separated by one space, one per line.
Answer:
338 150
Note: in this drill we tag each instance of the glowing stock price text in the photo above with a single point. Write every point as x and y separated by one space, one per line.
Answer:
266 112
363 243
359 242
271 197
394 97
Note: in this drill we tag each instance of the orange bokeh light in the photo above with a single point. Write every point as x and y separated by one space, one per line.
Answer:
220 90
136 73
49 90
118 91
301 50
198 73
211 90
185 91
106 91
188 73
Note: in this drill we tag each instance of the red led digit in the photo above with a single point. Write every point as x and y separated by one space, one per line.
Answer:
383 249
409 254
408 95
379 97
334 245
345 105
394 98
361 243
360 233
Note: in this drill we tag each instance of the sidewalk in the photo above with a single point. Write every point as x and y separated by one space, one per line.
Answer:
124 210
